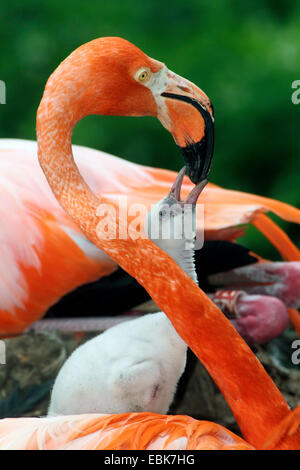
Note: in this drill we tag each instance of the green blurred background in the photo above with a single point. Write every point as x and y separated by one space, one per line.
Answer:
244 54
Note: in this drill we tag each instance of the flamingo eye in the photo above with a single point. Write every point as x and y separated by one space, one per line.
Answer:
143 75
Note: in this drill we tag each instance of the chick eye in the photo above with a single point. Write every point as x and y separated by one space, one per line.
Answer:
143 76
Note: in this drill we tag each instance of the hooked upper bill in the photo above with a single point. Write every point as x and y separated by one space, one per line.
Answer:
197 154
186 111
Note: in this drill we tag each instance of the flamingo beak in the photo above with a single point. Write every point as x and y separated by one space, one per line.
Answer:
176 187
191 123
194 194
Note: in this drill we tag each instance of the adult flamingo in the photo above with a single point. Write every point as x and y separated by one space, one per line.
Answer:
77 88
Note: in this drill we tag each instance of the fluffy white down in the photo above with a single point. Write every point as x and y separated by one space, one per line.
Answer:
132 367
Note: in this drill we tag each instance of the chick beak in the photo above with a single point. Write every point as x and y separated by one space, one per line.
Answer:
193 195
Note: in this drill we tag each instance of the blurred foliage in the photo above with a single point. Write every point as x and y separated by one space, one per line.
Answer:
245 55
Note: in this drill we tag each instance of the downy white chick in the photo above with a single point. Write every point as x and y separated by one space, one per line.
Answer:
135 366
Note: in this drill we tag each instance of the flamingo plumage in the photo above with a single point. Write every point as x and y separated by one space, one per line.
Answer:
134 431
71 93
44 255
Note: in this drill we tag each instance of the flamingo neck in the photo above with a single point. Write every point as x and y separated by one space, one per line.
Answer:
54 134
182 252
186 260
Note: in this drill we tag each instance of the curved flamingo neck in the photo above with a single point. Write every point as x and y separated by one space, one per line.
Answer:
54 133
254 399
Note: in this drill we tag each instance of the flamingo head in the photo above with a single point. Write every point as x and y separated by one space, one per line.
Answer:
111 76
171 223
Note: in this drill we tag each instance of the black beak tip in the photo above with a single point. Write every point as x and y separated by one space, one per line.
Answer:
194 176
197 157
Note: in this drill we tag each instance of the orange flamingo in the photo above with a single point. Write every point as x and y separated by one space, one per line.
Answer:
75 90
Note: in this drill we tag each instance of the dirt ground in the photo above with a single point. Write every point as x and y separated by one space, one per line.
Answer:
33 360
